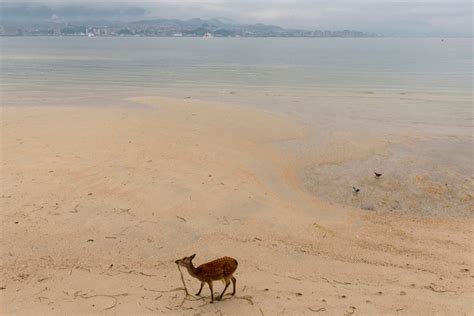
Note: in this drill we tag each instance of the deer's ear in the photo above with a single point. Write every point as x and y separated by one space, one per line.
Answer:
192 257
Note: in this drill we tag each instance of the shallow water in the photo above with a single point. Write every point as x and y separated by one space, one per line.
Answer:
52 63
428 178
421 80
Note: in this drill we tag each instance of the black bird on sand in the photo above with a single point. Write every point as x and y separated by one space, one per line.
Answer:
378 175
355 190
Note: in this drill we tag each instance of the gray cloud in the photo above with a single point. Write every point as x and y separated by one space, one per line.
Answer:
417 17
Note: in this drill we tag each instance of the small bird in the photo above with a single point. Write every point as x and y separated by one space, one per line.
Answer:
355 190
378 175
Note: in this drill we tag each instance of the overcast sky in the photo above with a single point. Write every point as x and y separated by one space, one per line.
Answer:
405 17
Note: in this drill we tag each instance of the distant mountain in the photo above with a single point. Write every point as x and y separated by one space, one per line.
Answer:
77 20
209 26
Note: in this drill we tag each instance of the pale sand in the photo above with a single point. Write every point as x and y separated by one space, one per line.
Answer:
98 203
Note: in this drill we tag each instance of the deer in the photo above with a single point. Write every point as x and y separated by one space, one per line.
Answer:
218 269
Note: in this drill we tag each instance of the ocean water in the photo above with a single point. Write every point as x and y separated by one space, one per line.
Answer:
76 64
420 82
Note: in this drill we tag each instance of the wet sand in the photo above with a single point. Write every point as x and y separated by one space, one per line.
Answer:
97 203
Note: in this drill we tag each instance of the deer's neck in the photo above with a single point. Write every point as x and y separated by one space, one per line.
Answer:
192 270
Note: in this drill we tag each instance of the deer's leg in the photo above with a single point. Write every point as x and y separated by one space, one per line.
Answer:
212 291
200 289
234 281
227 283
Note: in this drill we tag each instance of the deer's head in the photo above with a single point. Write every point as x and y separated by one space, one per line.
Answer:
185 261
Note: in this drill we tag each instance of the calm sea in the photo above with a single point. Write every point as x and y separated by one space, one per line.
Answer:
58 69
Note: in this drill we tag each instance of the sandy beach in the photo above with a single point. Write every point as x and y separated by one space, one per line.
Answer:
97 203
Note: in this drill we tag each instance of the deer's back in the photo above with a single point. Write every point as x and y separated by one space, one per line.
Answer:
217 269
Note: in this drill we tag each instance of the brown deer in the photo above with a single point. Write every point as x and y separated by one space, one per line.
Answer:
219 269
